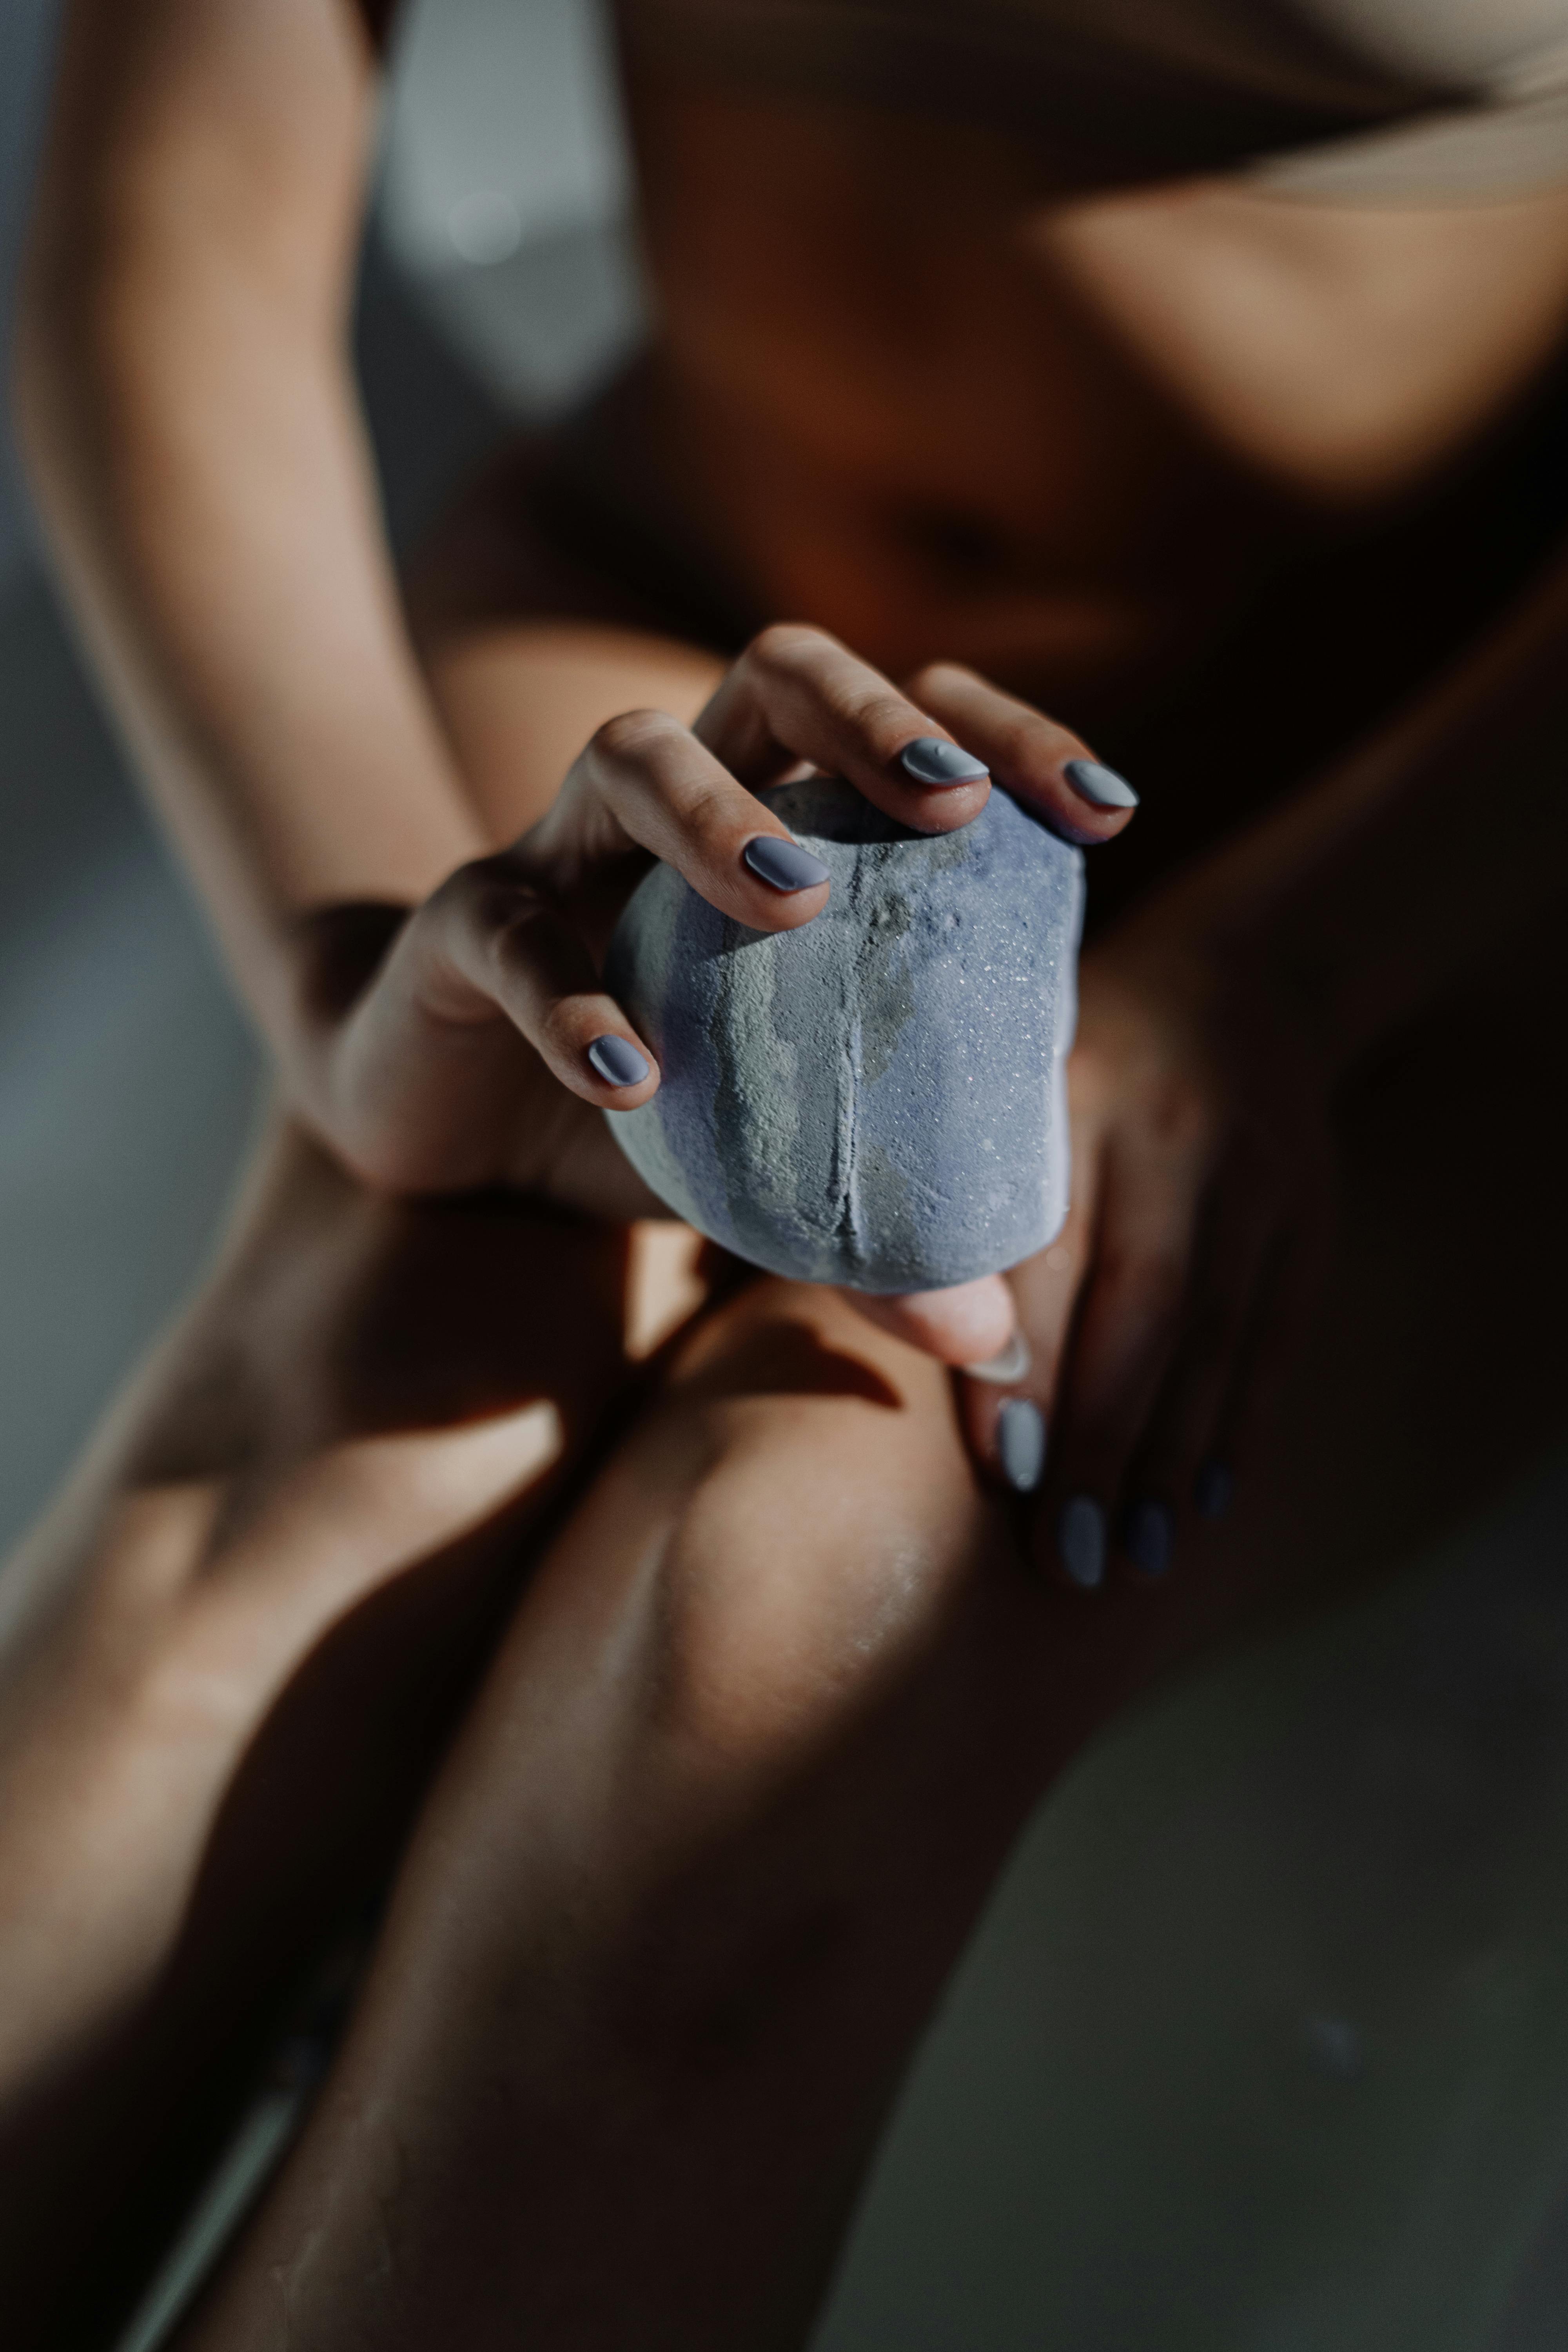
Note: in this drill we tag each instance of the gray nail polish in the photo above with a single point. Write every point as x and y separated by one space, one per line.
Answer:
618 1063
1102 785
1148 1536
1007 1367
1080 1540
1021 1444
1214 1490
782 865
931 761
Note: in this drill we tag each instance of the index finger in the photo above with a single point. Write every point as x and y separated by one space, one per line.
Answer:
796 695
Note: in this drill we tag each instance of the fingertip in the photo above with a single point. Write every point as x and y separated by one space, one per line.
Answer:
615 1073
1100 787
1081 1542
1010 1365
1090 802
943 809
1070 819
969 1323
784 865
1020 1444
1055 786
791 914
620 1098
617 1061
796 884
940 764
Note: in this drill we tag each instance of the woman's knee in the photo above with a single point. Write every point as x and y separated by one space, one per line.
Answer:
830 1523
727 1643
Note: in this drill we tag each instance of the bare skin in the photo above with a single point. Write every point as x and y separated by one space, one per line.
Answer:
232 1654
1119 405
955 411
1018 449
753 1737
232 1651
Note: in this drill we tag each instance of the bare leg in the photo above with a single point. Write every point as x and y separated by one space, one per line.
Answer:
231 1654
738 1780
755 1746
741 1775
737 1784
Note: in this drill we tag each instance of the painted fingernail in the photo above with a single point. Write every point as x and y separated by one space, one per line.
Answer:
782 865
1148 1535
1214 1490
1007 1368
1102 785
931 761
1021 1444
617 1062
1080 1540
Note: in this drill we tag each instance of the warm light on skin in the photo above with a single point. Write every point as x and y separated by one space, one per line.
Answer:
1315 340
664 1286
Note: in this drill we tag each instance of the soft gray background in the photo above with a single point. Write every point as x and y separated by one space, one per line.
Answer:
1264 2047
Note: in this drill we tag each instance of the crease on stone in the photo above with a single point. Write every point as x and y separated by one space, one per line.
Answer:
876 1098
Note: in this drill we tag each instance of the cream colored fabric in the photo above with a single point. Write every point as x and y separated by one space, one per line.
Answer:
1505 62
1352 99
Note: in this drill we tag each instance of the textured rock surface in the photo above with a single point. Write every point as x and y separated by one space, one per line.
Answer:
876 1099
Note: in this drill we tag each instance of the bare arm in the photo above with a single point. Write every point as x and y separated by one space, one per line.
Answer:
193 431
191 424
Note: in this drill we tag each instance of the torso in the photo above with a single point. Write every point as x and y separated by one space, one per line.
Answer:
953 379
941 407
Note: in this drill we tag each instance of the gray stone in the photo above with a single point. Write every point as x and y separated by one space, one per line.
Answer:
877 1098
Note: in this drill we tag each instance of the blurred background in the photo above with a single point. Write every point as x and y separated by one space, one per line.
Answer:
1264 2046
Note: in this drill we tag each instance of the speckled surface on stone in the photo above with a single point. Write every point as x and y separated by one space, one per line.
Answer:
876 1098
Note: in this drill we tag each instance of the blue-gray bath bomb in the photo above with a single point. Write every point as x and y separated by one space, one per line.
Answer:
877 1098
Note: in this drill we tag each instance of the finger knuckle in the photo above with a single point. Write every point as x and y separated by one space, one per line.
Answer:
1029 739
783 645
518 919
704 806
935 679
633 737
878 714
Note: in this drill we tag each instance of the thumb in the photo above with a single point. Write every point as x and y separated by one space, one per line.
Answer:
967 1325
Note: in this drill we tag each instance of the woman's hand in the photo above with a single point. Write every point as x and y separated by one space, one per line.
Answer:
471 1042
1160 1319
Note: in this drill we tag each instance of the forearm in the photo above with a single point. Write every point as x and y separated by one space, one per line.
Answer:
1371 894
193 434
